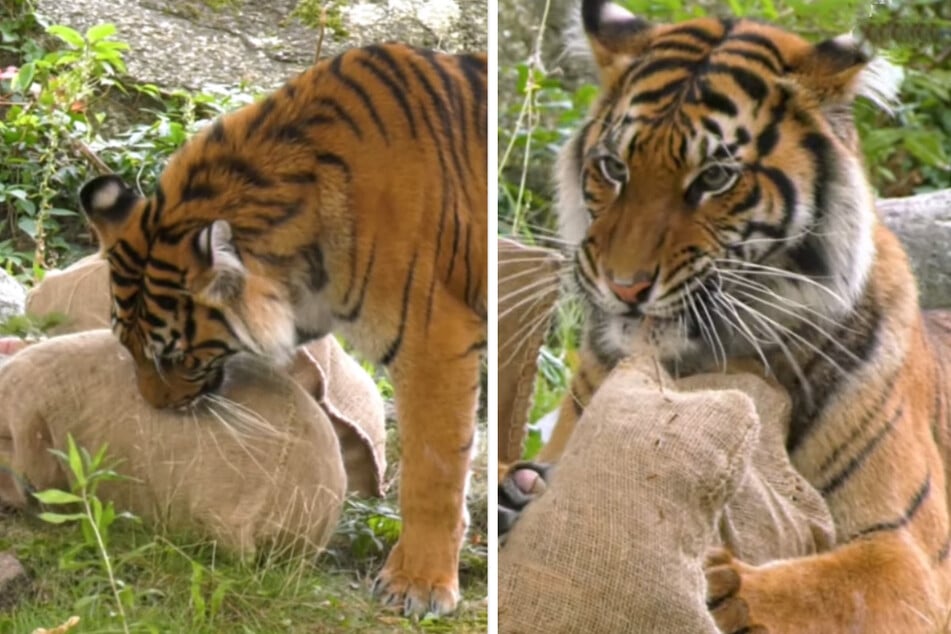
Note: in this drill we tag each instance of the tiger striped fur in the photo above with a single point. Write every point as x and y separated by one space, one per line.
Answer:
353 200
719 204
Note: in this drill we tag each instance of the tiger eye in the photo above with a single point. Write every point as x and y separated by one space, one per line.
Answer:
613 169
715 178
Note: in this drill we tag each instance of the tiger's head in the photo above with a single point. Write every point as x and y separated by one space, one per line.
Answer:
717 187
183 300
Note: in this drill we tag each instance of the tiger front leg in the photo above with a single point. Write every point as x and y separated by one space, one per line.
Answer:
876 585
436 392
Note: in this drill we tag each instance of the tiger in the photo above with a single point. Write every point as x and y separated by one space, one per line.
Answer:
718 207
352 200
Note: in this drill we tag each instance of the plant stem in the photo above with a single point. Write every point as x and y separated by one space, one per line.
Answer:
105 560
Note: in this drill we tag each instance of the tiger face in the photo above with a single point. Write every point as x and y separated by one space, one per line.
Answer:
185 306
716 188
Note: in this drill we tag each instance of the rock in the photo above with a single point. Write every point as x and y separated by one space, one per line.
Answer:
12 296
14 580
923 224
196 44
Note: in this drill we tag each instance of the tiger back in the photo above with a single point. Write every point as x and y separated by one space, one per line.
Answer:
352 200
721 211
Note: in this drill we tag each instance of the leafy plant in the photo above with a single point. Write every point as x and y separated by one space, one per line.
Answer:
94 517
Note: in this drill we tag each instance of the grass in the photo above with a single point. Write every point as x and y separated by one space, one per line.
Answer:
175 583
182 587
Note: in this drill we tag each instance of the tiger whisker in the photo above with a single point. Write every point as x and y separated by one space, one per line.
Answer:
737 323
762 269
788 331
734 278
787 353
539 290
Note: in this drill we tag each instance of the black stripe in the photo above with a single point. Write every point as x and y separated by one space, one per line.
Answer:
217 132
164 266
749 82
264 108
658 93
333 160
313 257
916 503
858 333
465 258
765 42
944 550
354 313
711 126
203 191
717 102
338 113
444 115
645 71
474 70
681 47
394 347
358 90
398 92
749 55
859 458
694 32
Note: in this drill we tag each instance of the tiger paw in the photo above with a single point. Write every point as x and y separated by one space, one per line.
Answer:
525 482
417 584
725 585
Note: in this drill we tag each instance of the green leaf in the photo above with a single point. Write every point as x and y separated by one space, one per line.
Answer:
28 226
100 32
76 462
55 496
60 518
24 77
68 35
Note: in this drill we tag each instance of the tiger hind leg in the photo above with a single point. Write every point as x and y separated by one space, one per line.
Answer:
436 384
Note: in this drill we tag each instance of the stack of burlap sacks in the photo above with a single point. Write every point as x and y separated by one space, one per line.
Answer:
656 472
267 465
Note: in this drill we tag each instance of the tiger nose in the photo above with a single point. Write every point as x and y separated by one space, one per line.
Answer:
631 290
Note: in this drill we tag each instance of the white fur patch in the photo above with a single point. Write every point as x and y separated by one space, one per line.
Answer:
106 196
611 12
880 82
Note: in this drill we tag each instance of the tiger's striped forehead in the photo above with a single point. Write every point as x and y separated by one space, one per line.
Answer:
700 90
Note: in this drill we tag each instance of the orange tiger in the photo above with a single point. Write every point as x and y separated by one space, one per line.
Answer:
720 207
353 200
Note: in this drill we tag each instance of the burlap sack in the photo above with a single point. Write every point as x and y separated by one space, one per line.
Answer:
775 513
528 292
353 403
265 471
345 392
616 543
79 292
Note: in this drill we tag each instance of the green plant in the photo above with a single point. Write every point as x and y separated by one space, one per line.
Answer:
369 529
46 119
94 517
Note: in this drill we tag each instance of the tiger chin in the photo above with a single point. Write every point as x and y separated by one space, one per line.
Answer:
352 200
721 211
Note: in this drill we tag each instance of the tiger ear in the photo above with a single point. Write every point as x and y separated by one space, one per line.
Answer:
221 277
838 69
108 204
616 36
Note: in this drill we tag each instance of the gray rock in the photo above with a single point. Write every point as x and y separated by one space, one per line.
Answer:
923 224
12 296
14 580
188 44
